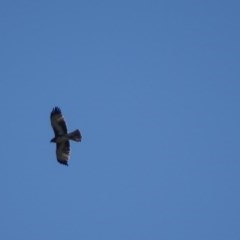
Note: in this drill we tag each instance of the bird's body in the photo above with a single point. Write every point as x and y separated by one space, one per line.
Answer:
75 136
62 137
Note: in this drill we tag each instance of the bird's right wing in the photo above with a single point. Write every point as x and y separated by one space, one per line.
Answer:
63 152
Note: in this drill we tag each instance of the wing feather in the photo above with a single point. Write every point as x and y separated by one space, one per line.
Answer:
63 152
57 121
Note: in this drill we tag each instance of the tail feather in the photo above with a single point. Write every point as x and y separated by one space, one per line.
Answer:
75 136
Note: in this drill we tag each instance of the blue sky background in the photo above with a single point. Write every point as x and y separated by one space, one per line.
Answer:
154 88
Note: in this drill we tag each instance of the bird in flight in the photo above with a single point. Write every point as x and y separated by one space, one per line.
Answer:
62 136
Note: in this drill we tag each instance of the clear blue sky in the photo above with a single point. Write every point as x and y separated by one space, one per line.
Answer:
154 88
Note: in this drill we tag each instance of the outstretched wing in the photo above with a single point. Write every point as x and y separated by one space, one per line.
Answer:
57 121
63 152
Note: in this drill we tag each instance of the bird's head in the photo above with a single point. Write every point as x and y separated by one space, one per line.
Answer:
53 140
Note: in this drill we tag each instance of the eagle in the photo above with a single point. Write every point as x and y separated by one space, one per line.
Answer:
62 136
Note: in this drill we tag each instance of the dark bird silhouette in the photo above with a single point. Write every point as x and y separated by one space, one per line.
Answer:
62 136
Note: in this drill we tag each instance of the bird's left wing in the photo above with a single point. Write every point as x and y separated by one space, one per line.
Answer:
57 121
